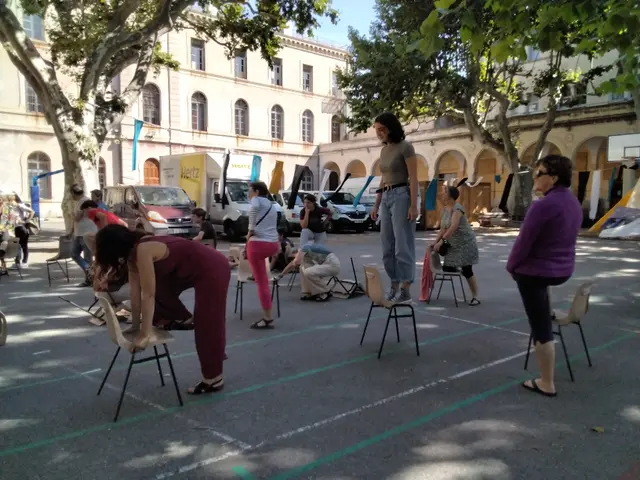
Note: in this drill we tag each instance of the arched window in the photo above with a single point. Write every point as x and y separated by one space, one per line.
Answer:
151 104
307 126
242 117
277 122
37 164
102 173
199 112
306 183
32 100
151 172
335 129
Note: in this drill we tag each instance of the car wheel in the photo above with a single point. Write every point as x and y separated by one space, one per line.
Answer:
331 227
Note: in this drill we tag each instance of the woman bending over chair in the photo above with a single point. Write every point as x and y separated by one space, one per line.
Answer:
160 268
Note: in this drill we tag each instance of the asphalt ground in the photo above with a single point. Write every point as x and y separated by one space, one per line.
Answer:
305 400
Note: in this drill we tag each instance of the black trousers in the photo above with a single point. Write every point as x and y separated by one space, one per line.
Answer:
534 292
467 270
22 234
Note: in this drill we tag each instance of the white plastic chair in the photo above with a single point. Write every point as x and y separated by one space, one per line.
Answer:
245 275
124 340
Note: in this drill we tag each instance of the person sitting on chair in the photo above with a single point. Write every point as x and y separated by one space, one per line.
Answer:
317 265
286 254
7 231
207 233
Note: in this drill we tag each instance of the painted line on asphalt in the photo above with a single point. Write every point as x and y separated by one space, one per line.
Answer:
41 352
228 439
471 322
418 422
240 343
335 418
221 396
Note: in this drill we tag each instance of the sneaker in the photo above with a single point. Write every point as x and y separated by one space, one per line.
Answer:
391 295
403 296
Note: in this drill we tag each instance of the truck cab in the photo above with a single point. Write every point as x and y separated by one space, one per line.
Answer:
292 216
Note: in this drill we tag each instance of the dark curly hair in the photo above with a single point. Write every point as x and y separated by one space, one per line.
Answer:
558 166
389 120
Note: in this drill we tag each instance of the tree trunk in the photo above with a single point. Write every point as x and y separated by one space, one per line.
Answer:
80 148
635 94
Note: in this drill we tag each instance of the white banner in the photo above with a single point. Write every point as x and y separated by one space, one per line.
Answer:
595 194
325 179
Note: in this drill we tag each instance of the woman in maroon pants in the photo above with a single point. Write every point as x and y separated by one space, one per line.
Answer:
160 268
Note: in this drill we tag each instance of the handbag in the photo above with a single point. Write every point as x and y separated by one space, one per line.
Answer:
444 248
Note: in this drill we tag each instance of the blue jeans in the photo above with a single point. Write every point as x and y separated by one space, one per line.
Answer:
398 235
79 250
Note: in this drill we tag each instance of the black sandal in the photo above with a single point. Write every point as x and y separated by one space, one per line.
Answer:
262 324
474 301
323 297
177 325
307 296
204 387
536 389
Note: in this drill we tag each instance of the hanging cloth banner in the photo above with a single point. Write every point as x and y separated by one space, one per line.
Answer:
359 196
222 188
295 185
498 178
325 179
595 194
612 180
505 194
583 179
255 168
346 177
431 195
137 128
276 177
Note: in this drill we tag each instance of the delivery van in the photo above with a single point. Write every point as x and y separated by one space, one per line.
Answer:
200 175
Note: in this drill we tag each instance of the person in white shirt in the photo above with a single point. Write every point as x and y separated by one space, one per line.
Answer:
262 243
82 225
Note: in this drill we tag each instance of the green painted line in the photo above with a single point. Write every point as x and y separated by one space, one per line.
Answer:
294 472
219 397
242 343
243 473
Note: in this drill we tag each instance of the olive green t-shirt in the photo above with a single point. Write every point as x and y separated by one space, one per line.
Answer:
393 162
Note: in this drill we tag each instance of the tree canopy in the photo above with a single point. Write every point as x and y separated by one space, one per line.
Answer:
469 60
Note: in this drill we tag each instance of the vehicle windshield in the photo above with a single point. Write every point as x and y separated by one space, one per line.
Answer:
163 196
340 198
238 192
286 196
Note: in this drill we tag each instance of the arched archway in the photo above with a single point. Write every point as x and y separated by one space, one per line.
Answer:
450 164
375 169
151 172
591 155
487 169
423 169
357 169
527 156
334 177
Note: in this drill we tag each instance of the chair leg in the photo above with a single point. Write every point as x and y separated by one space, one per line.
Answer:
395 314
66 266
48 274
464 295
155 350
366 323
241 299
104 380
19 268
124 386
526 360
173 374
433 284
566 355
415 331
584 342
440 289
278 298
384 335
453 287
237 294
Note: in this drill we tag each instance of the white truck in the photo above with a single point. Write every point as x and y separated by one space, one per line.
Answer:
200 176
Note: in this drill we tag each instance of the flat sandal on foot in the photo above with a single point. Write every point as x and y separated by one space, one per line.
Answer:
204 387
535 388
262 324
474 301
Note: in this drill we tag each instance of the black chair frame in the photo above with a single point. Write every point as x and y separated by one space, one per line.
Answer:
447 277
393 310
275 291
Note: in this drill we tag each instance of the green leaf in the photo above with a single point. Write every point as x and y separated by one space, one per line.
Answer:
444 4
466 34
501 50
416 45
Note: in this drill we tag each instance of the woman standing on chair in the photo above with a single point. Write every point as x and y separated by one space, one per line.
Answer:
543 255
457 239
397 200
160 268
262 243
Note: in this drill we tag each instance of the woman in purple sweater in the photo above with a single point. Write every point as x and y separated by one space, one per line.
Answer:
544 255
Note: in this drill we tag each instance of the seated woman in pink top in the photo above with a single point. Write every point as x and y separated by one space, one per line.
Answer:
543 255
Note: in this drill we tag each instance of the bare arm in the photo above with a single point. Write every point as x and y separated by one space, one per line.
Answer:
101 220
199 237
304 220
136 297
455 222
296 262
147 281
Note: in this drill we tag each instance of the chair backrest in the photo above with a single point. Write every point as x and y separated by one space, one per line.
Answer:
373 285
113 325
13 249
580 304
436 264
65 248
235 252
